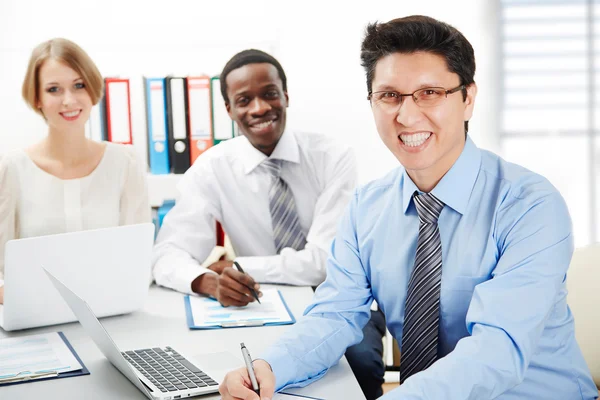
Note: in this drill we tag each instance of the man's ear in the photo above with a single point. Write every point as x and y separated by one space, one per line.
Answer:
287 99
470 101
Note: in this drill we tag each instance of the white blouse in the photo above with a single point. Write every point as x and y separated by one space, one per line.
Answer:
35 203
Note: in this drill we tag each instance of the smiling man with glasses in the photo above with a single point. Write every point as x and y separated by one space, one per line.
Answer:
465 253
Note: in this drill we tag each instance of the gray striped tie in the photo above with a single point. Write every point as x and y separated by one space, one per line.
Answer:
287 231
422 307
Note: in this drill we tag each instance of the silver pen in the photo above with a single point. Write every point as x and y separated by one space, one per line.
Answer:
250 368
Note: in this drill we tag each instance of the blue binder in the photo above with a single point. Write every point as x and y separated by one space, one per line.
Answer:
102 111
156 122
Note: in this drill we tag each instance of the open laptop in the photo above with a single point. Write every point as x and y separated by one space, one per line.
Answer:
160 373
111 267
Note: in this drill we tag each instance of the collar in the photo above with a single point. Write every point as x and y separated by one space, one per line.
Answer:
455 187
286 149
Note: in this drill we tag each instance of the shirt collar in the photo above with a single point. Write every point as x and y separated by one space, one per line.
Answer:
455 188
286 149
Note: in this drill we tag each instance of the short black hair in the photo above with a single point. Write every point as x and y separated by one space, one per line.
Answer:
245 57
417 33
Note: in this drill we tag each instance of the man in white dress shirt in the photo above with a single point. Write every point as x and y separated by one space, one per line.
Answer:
278 195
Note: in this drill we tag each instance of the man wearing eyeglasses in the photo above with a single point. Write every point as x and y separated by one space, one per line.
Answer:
465 253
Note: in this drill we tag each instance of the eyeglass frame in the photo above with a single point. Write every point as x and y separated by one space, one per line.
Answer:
402 95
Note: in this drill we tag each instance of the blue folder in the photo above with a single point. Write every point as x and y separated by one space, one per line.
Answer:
239 324
156 122
69 374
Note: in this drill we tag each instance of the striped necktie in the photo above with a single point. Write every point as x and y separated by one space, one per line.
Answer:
422 307
287 231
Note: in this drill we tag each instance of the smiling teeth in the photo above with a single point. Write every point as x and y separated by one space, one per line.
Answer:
263 125
415 140
71 114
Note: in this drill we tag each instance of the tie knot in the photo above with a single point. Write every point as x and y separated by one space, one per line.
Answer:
428 206
273 166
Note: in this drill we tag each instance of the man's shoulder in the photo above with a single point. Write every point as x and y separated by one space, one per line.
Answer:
380 188
525 202
522 192
519 182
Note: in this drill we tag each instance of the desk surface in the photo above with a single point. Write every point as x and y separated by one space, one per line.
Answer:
162 323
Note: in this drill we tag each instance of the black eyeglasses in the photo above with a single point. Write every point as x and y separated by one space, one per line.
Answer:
390 101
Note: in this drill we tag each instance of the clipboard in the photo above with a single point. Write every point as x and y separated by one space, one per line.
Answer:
241 323
49 375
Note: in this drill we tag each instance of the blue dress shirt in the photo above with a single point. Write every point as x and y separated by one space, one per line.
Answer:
506 331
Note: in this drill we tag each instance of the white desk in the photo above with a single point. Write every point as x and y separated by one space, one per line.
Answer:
162 323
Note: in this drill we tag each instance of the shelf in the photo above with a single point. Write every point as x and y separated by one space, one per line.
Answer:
162 187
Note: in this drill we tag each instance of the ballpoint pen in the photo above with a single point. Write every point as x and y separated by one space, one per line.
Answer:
250 368
239 267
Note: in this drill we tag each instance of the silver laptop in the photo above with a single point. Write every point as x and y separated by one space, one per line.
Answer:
160 373
111 267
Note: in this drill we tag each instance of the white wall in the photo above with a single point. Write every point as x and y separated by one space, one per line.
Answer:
317 42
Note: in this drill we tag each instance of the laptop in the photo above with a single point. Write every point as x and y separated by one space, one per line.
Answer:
111 267
160 372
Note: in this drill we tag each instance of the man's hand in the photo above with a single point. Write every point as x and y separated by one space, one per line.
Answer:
230 287
220 265
237 385
1 294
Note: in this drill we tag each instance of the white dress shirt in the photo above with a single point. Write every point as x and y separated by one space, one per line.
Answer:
36 203
228 184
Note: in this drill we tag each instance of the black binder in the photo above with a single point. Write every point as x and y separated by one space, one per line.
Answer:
177 121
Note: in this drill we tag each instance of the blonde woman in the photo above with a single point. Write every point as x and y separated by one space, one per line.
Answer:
67 182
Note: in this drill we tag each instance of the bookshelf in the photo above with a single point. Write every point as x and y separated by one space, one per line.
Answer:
161 188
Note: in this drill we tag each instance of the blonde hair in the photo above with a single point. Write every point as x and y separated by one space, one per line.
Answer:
70 54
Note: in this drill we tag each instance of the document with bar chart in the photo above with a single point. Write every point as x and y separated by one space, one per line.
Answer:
208 313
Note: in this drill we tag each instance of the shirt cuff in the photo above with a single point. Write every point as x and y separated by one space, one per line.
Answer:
184 276
255 267
282 368
1 282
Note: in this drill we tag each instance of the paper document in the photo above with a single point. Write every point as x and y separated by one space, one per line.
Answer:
208 312
289 396
36 354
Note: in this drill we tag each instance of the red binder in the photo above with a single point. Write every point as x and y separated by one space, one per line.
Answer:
118 110
199 115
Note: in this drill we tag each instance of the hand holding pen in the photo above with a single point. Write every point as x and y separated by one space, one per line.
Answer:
229 284
254 381
250 368
239 267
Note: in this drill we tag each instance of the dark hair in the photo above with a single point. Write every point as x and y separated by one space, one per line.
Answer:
418 33
251 56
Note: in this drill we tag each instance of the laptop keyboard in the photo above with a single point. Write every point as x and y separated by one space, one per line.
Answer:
167 369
